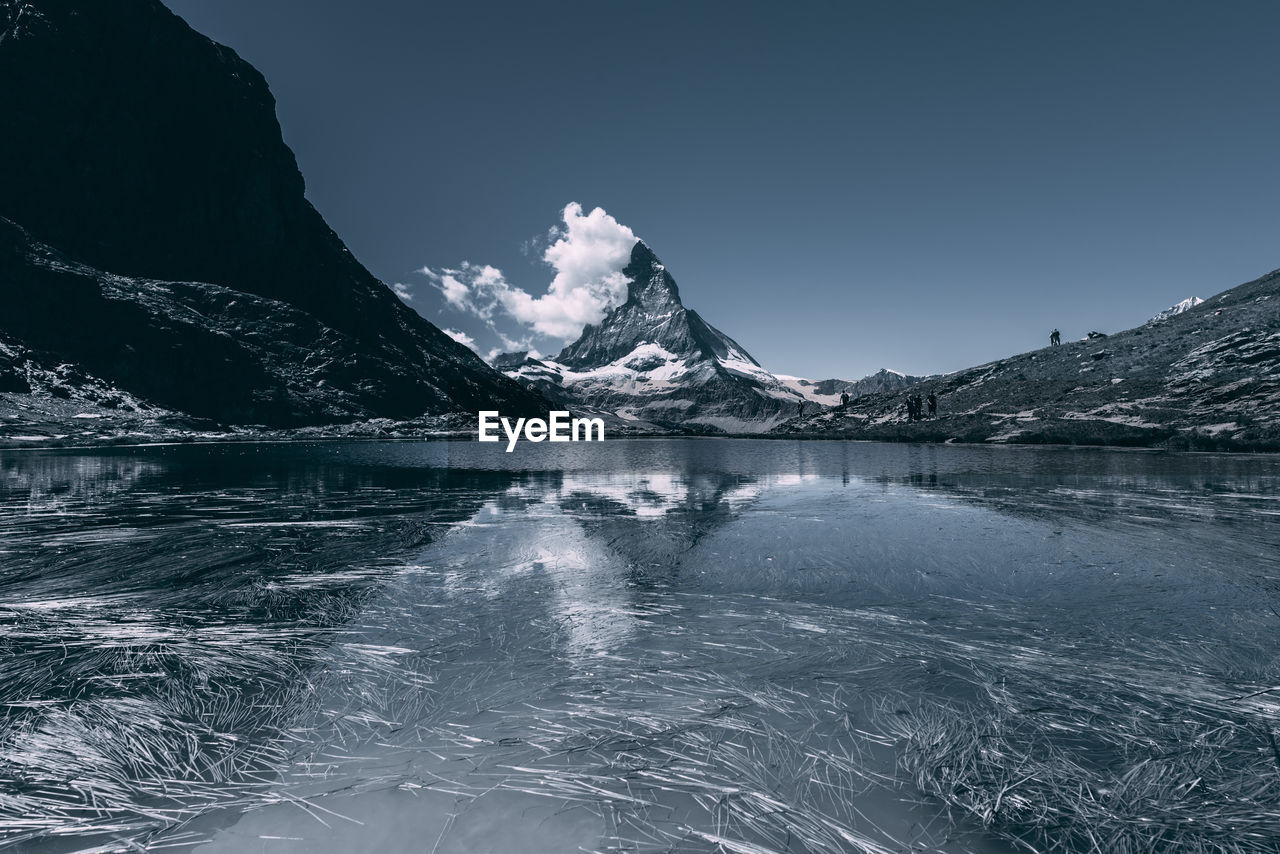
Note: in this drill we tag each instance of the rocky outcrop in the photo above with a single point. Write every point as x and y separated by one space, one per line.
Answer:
159 237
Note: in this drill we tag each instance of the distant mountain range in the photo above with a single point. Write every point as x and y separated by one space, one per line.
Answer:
652 363
1176 309
157 251
828 392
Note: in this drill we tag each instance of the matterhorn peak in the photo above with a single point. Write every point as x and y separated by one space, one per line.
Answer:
648 282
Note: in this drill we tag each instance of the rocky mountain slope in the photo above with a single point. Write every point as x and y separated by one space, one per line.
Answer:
653 362
1207 377
157 238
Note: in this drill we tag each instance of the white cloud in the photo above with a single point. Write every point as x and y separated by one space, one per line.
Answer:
588 259
402 290
511 345
461 337
587 253
455 292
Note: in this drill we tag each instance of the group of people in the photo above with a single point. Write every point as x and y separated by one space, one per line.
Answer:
915 406
1055 338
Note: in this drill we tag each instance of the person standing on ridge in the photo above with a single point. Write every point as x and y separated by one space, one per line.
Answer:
933 405
844 399
1055 338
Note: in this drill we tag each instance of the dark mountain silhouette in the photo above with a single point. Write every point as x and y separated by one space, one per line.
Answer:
157 235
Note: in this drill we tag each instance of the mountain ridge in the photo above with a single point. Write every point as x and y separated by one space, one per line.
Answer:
138 152
1206 378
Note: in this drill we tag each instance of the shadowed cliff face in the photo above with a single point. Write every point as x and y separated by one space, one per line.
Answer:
138 147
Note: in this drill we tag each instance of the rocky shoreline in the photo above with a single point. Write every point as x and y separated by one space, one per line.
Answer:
58 430
1066 432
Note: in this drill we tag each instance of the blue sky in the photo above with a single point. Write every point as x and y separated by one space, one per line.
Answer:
838 186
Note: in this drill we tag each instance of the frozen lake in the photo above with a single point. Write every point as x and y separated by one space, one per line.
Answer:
678 645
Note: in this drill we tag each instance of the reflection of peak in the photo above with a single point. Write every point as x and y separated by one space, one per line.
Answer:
654 519
657 494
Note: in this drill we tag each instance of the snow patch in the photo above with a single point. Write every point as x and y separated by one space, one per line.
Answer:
1176 309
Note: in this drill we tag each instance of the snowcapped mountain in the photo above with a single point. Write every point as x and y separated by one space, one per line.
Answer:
1176 309
654 362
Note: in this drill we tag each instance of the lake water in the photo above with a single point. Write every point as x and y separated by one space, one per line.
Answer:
651 646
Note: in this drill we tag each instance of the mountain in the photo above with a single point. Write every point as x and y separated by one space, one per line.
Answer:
828 392
157 238
651 361
1207 377
1177 308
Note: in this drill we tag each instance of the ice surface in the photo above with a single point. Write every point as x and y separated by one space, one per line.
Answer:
653 645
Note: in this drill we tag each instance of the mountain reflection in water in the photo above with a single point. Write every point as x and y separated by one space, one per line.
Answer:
650 645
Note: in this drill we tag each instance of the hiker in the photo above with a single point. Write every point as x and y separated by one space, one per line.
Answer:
844 399
933 405
911 409
919 407
800 411
1055 338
